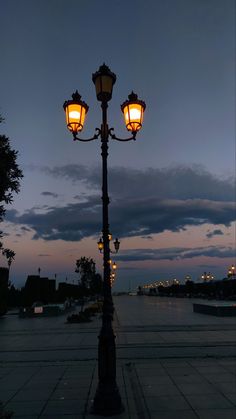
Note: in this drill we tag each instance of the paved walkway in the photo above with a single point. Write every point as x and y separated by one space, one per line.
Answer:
171 363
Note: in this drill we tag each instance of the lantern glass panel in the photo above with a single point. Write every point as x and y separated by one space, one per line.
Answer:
104 86
100 245
133 114
75 117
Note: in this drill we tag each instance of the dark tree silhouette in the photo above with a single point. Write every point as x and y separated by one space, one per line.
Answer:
86 268
10 256
90 280
10 176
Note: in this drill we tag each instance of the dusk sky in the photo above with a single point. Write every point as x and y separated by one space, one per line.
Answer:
172 191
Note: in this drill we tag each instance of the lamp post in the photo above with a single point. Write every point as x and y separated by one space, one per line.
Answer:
107 400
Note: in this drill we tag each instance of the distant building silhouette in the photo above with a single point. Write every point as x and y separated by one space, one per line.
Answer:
66 290
4 275
39 289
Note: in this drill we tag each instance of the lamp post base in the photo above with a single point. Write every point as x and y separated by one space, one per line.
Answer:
107 400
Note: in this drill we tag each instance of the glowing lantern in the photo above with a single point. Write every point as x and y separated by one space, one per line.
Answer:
75 110
133 110
100 245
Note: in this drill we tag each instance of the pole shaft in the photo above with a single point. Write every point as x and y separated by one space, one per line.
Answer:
107 400
108 304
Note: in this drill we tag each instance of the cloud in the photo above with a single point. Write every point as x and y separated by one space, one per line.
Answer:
129 218
145 217
178 182
70 223
208 267
147 237
175 253
213 233
25 229
51 194
43 255
145 203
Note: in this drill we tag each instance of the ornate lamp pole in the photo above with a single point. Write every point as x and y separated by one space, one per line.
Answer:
107 400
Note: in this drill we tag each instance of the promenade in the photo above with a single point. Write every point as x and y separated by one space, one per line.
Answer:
171 363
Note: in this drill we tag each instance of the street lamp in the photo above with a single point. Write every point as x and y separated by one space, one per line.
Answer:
107 400
114 266
101 244
231 272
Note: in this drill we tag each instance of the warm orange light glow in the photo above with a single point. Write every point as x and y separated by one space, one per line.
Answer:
75 117
133 117
133 110
75 110
100 245
114 266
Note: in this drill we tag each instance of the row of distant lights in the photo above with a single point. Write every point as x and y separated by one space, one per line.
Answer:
204 277
207 277
161 284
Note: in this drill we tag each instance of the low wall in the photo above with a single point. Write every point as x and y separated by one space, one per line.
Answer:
215 310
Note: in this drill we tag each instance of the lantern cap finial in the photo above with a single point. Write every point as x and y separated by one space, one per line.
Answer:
76 96
104 70
133 96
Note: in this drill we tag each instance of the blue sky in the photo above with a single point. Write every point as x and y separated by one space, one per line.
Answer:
171 190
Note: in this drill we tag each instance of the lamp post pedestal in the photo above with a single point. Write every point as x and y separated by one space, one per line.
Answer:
107 400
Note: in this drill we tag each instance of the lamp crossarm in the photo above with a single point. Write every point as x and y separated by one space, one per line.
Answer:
114 137
111 251
95 137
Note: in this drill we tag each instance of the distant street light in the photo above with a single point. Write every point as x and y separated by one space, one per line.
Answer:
114 266
101 244
231 272
206 277
107 399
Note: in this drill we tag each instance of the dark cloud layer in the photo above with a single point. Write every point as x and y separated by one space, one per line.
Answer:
51 194
175 253
178 182
128 217
43 255
213 233
144 203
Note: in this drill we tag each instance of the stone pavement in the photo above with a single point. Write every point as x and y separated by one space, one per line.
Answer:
171 363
